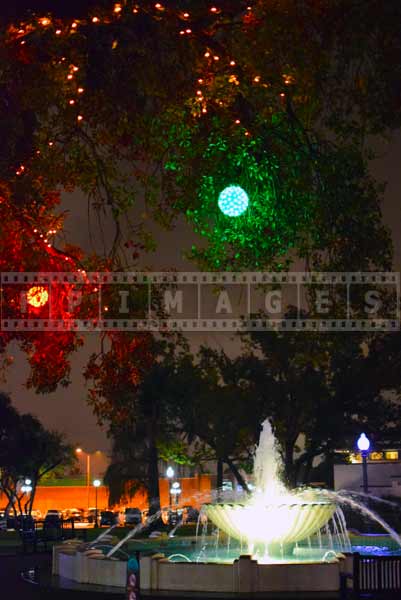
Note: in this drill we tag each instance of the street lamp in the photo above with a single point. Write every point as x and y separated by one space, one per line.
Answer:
169 475
26 487
363 444
176 490
96 483
88 469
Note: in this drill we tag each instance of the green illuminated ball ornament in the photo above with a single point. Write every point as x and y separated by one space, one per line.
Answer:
233 201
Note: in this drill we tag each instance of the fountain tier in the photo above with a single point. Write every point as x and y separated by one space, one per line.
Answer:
283 523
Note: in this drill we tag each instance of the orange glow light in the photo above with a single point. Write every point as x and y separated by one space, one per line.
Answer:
37 296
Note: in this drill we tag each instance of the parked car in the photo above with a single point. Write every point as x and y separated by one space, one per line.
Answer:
91 513
108 518
132 516
145 515
175 517
36 514
73 513
25 523
10 519
191 514
53 517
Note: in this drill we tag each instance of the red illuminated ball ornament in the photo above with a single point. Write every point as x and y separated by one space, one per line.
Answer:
37 296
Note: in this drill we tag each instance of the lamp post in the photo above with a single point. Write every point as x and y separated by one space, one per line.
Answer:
88 469
363 444
176 490
96 483
169 475
26 488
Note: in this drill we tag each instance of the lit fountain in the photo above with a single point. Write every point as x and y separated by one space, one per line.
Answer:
275 541
284 541
274 519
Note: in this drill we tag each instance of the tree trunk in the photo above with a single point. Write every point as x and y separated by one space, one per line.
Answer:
289 471
153 478
219 482
237 474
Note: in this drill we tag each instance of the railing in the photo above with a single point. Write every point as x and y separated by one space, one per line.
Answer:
377 574
42 532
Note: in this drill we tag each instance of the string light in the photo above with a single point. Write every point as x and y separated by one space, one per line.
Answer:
117 8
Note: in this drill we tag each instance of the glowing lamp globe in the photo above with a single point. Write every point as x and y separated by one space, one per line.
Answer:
233 201
363 443
37 296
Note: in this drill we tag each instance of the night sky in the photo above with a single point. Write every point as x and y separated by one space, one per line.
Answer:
66 409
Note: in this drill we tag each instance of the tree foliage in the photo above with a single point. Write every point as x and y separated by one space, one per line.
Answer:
27 450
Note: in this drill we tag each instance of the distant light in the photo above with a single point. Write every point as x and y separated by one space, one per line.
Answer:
26 488
175 485
97 482
233 201
78 450
363 443
170 472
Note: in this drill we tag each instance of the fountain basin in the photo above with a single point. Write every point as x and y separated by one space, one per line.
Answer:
245 576
281 523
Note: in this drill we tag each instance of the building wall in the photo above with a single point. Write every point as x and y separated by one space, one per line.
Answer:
195 491
384 478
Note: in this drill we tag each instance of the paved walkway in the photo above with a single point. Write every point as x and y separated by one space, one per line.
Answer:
11 585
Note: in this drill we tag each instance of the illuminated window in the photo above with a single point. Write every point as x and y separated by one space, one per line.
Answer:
355 457
376 456
392 455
